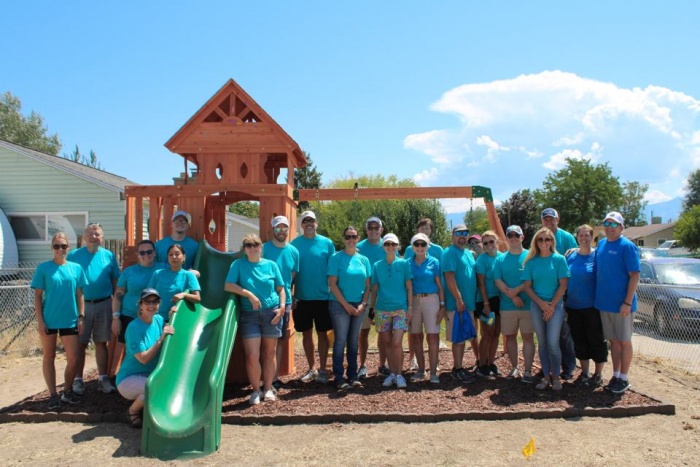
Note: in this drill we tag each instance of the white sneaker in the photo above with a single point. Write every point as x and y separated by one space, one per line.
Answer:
78 387
400 382
105 385
270 396
514 373
254 398
389 381
309 376
414 365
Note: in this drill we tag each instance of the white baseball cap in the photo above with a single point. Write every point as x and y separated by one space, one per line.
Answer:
279 220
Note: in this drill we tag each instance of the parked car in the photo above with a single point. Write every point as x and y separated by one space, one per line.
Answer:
668 295
674 248
652 253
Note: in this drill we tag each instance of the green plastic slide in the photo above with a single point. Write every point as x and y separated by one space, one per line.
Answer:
182 417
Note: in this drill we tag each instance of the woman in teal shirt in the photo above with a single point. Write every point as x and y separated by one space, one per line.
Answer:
172 282
488 301
545 276
348 278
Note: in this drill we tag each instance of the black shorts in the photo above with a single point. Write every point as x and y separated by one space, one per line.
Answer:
124 320
310 313
495 303
62 331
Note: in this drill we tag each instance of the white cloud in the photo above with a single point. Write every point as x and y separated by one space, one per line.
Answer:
426 177
456 205
655 196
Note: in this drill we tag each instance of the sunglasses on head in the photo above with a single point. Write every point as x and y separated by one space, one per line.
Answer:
610 224
391 244
513 235
251 245
57 246
462 233
420 244
145 252
489 242
351 237
544 239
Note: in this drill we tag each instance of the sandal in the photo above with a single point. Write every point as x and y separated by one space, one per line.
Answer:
135 419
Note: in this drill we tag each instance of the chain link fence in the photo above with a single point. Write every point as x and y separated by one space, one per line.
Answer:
18 335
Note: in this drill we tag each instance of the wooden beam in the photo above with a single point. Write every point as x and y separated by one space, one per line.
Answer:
349 194
255 189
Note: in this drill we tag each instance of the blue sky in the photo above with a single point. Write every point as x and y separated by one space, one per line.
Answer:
446 93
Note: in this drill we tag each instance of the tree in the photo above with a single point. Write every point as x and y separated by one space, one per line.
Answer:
477 220
633 204
581 192
687 229
29 131
521 209
250 209
692 185
90 161
306 178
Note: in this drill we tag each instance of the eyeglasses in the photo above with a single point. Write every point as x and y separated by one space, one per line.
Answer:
281 229
420 244
251 245
513 235
489 242
374 228
308 220
610 224
544 240
351 237
57 246
145 252
151 302
391 244
461 233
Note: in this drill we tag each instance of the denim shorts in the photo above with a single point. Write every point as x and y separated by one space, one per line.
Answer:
255 324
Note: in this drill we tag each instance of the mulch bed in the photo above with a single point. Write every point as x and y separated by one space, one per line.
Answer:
488 398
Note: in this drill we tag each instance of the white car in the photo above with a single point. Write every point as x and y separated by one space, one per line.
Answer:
674 248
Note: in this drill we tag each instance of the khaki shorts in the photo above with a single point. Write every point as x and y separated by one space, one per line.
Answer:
425 311
98 322
616 327
512 320
449 322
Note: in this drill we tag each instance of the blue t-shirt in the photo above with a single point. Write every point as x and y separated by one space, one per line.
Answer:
314 253
615 261
134 279
424 275
287 259
261 278
101 269
139 337
168 283
60 283
372 252
509 269
460 262
392 293
565 241
189 244
433 250
580 293
485 265
352 273
545 273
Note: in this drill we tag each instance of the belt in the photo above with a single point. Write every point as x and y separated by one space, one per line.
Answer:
423 294
99 300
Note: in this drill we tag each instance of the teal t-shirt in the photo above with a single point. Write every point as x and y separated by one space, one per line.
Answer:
60 283
352 273
433 250
461 263
314 253
100 268
392 294
509 269
260 278
485 265
287 259
565 241
139 337
168 283
545 273
189 244
134 279
372 252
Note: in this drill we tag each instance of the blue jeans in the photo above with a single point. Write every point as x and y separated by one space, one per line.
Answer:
568 354
548 338
346 331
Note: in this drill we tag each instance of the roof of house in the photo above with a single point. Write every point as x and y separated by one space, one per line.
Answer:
96 176
252 223
639 232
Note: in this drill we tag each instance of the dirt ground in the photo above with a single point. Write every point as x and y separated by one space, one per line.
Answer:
645 440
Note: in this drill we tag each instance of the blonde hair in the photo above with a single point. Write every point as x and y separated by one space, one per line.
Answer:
534 247
60 235
250 238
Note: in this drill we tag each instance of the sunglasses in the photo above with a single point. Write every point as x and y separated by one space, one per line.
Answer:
420 244
544 240
57 246
373 228
489 242
151 302
145 252
513 235
351 237
308 220
251 245
610 224
281 229
391 244
462 233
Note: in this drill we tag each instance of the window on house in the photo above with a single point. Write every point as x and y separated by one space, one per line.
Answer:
659 241
40 227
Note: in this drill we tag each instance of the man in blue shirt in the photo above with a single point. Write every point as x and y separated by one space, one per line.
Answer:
102 272
180 225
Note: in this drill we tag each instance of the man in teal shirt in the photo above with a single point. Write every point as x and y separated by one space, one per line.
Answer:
180 225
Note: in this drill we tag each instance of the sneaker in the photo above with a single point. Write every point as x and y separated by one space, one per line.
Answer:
527 378
389 381
567 376
594 381
322 377
270 396
342 385
78 387
465 377
70 397
54 402
401 382
493 369
277 384
455 373
309 376
556 384
414 365
483 371
105 385
254 398
384 370
582 379
622 386
356 383
544 384
514 374
418 376
611 384
434 379
362 372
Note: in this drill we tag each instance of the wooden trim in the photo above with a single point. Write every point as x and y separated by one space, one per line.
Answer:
254 189
348 194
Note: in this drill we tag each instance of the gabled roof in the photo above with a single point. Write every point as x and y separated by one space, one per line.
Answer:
96 176
245 221
233 117
634 233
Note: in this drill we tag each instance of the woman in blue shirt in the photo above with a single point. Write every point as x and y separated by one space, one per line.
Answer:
172 282
583 318
59 307
488 300
259 283
144 340
348 279
545 276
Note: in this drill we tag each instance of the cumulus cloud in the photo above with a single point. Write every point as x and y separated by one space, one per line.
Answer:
511 133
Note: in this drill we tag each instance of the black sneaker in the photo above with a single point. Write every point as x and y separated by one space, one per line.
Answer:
54 402
342 386
611 384
594 381
567 376
582 379
455 373
465 377
277 384
493 369
622 386
384 370
483 372
70 397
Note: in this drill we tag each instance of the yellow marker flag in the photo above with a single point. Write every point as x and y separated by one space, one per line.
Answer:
529 448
